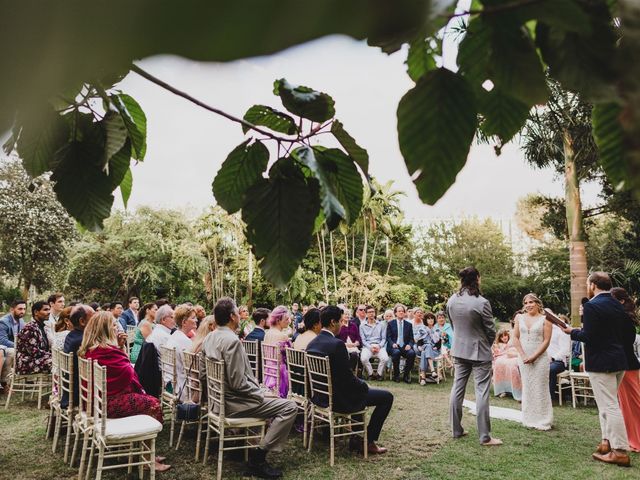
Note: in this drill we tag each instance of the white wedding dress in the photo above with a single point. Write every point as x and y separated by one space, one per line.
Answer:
537 411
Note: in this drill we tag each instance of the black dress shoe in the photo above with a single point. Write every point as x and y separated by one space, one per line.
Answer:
406 379
396 379
259 467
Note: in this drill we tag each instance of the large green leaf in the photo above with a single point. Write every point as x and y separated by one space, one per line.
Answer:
420 58
583 63
355 151
279 214
242 168
609 137
81 184
515 66
119 165
474 51
436 123
342 173
563 14
115 133
304 101
41 135
135 121
503 116
334 211
126 186
270 118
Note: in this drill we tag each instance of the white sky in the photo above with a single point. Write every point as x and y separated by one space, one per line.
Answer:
187 145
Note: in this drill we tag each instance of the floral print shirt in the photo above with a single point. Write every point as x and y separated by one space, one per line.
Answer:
32 354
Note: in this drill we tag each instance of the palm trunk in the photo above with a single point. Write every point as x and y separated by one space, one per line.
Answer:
373 254
323 265
577 246
333 264
250 275
365 247
346 252
389 262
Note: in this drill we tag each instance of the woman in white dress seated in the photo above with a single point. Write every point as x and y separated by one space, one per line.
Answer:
531 338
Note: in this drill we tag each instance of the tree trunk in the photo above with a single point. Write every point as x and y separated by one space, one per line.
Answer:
389 262
346 252
365 246
333 264
323 265
250 286
577 246
373 254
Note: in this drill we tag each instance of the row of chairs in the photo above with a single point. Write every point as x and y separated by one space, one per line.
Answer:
35 385
575 381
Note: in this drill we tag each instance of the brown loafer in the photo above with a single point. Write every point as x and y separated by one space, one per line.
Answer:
374 449
603 447
615 457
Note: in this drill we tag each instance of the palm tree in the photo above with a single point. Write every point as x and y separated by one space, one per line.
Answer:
559 136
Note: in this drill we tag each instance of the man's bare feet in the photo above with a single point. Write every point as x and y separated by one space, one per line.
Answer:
492 443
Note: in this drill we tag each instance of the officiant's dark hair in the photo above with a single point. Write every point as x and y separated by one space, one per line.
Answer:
602 280
470 281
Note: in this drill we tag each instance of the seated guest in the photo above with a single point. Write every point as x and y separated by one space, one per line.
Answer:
79 317
164 324
56 303
207 325
279 321
312 327
62 328
427 339
374 341
506 373
350 335
125 396
576 356
350 394
200 314
129 317
246 325
185 318
445 330
146 320
10 325
360 315
559 351
243 395
388 315
400 343
33 354
259 317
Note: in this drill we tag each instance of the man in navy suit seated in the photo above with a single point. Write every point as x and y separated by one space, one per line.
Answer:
400 343
259 317
350 394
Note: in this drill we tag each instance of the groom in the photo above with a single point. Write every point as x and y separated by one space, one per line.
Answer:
602 333
472 321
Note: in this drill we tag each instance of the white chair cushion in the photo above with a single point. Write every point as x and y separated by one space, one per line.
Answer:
130 427
238 422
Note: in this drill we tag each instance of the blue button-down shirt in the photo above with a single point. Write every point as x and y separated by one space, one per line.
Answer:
375 334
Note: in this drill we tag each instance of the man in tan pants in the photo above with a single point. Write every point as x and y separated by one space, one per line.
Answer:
605 361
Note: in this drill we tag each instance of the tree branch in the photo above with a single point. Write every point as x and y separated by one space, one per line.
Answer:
495 9
180 93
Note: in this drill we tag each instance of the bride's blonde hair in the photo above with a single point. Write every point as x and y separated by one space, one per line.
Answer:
532 296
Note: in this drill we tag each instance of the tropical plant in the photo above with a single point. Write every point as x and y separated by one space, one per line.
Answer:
73 123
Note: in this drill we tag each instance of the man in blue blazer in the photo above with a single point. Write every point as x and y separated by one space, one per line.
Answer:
350 394
259 317
10 325
602 333
400 343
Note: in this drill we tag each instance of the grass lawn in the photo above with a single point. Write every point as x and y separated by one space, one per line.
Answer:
416 433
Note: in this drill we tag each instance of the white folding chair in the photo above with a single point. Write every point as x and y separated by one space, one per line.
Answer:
319 376
298 385
580 385
63 415
218 422
83 422
169 399
192 367
133 438
253 352
271 361
32 384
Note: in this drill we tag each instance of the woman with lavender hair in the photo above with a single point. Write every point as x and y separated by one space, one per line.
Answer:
279 321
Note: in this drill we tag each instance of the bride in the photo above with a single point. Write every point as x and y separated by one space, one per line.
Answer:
532 335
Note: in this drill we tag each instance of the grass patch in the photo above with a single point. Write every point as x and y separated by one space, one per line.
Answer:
416 433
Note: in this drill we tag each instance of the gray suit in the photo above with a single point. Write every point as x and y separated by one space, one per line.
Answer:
472 321
243 395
